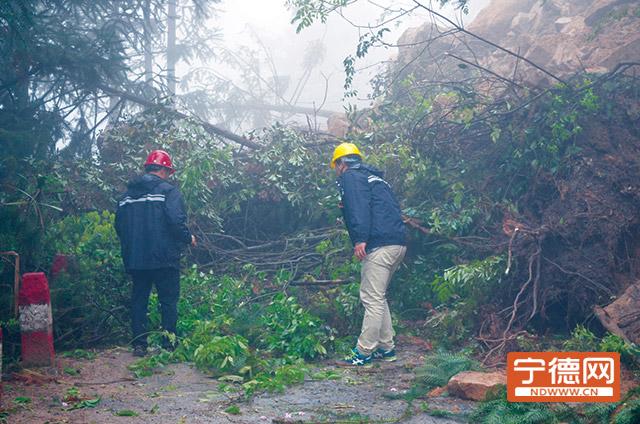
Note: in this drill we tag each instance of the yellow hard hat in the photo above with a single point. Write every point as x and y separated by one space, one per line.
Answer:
344 149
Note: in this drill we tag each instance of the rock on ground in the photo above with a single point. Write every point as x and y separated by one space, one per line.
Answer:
474 385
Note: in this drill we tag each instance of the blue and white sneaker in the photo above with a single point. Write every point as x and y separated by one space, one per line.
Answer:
356 359
385 355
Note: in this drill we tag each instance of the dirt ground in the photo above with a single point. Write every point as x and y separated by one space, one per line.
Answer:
181 394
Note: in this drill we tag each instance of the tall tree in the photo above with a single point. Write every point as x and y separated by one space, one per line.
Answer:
172 58
148 49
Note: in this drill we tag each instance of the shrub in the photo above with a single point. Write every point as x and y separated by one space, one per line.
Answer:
629 354
220 354
91 301
223 327
582 340
289 329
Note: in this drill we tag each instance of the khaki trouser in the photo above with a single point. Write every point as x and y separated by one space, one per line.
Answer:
377 269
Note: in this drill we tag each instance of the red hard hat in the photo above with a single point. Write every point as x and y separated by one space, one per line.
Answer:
160 157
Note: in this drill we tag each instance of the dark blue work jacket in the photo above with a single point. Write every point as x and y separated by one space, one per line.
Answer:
370 210
151 223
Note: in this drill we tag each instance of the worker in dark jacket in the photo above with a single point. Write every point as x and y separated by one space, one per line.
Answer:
374 221
151 223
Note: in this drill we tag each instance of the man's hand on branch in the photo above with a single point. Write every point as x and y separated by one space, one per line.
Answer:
360 250
194 242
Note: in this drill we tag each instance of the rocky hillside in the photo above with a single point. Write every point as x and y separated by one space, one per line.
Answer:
561 36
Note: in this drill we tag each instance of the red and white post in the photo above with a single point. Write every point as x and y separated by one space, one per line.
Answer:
36 323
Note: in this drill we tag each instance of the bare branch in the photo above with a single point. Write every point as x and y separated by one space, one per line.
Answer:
210 128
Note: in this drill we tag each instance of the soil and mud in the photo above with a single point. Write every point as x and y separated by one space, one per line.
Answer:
181 394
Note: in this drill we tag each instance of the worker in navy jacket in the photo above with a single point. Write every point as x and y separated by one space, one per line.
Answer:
151 223
374 221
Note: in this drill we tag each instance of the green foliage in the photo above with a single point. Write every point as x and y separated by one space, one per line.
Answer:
30 200
500 411
451 219
233 410
448 326
348 308
291 330
226 333
461 161
126 413
473 280
54 66
272 190
287 163
71 371
221 354
210 184
582 340
22 400
80 354
309 11
629 413
145 367
326 375
75 400
629 353
91 300
440 367
458 294
600 412
275 378
85 404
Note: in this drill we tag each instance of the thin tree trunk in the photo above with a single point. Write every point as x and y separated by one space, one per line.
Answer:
148 54
115 107
171 47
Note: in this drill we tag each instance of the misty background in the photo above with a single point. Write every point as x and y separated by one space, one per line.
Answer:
306 68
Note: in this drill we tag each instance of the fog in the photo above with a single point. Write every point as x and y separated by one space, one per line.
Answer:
265 26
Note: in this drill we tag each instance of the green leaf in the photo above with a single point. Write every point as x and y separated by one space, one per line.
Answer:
22 400
89 403
233 410
127 413
231 378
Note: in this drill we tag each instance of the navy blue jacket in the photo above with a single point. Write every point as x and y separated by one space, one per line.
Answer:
370 210
151 223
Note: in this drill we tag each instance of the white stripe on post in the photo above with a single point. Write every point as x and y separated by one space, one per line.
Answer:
36 324
34 317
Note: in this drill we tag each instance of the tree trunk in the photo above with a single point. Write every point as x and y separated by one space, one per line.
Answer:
171 47
148 54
